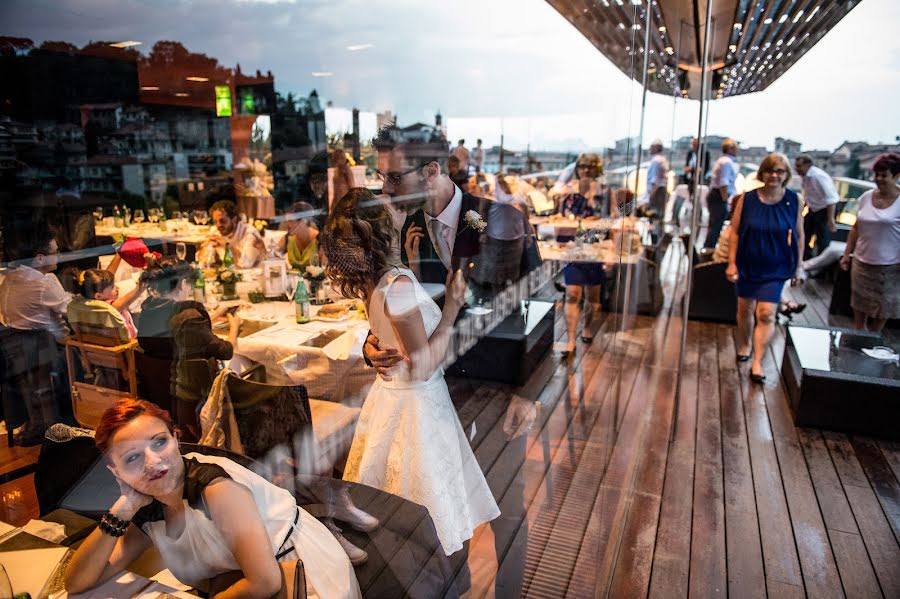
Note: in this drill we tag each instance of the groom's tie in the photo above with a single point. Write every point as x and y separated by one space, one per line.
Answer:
436 231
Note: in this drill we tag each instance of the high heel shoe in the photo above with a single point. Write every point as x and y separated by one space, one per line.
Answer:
759 379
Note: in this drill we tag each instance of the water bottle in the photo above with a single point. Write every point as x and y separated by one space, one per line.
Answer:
301 303
228 259
200 287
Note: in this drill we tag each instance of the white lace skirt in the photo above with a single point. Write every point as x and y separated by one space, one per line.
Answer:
409 442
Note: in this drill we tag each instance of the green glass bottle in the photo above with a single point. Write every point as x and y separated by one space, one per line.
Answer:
228 259
301 303
200 287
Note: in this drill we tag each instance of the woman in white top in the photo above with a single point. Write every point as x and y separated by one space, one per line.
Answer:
874 243
208 517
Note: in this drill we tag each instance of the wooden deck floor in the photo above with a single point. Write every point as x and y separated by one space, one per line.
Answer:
619 490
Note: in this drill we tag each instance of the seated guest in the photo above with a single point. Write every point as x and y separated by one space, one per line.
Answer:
207 516
32 299
247 245
100 302
31 296
300 246
168 282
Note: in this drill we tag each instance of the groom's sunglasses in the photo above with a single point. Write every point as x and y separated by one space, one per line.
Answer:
395 177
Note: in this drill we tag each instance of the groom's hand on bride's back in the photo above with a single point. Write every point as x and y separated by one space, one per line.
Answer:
380 359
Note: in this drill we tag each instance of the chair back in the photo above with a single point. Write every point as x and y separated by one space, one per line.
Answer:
268 416
109 371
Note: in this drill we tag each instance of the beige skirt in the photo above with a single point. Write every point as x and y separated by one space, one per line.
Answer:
875 289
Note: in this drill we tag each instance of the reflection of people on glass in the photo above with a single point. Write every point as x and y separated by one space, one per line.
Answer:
408 441
874 243
206 515
505 236
33 300
765 250
721 188
581 276
342 180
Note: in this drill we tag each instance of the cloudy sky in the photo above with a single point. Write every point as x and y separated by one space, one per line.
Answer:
514 66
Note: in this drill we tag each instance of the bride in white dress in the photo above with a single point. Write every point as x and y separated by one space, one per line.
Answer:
408 441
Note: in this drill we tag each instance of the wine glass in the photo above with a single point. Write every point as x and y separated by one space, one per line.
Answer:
201 217
181 250
138 216
98 214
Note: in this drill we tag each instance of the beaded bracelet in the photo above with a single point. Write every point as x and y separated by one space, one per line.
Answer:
113 526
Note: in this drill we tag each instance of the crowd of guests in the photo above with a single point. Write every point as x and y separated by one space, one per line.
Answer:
379 249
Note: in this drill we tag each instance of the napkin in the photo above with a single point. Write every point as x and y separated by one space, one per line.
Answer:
348 344
49 531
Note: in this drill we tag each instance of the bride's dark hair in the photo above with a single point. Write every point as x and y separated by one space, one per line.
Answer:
357 240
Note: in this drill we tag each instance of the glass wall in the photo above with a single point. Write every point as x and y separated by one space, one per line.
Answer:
423 270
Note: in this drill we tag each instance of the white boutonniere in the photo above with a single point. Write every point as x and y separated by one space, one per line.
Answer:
474 221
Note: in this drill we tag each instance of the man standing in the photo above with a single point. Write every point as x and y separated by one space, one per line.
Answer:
478 157
724 175
657 180
246 243
462 153
692 166
820 197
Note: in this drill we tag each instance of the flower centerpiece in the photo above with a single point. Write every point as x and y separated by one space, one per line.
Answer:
228 279
315 275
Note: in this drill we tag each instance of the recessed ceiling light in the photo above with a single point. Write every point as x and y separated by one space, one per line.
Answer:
149 88
197 79
662 29
783 18
127 44
768 21
181 94
358 47
797 18
738 26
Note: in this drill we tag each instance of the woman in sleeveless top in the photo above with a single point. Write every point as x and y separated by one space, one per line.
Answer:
764 252
408 440
208 516
874 243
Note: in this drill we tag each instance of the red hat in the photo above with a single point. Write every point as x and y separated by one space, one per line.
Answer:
133 252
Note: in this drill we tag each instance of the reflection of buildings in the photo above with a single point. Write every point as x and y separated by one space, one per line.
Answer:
110 121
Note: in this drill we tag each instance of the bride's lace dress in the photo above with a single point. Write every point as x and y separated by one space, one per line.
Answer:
409 441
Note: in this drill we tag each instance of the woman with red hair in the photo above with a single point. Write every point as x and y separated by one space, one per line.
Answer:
206 515
874 244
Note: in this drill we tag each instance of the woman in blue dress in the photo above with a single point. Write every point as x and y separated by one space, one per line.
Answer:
764 251
580 203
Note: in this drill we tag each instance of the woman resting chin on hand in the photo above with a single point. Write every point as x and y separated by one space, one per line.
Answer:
207 516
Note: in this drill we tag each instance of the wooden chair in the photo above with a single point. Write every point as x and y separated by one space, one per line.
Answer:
103 355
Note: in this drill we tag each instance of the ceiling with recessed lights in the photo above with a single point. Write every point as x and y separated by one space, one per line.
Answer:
752 43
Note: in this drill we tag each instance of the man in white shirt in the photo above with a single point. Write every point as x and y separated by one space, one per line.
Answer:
657 183
31 297
478 157
462 153
820 196
247 245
